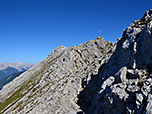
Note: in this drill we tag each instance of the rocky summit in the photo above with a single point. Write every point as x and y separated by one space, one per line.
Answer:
52 86
98 77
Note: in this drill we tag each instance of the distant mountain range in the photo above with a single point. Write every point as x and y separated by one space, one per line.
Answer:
9 71
97 77
19 66
9 78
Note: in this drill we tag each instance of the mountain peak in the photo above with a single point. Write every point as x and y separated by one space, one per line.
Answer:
147 16
59 77
94 78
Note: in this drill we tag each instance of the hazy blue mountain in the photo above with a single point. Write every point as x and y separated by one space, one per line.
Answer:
9 78
19 66
7 69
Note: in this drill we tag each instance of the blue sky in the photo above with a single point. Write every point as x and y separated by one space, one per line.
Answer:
31 29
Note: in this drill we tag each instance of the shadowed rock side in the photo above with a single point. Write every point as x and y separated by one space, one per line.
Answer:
124 84
52 86
97 77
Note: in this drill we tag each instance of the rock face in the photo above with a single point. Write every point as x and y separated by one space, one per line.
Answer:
52 86
124 83
97 77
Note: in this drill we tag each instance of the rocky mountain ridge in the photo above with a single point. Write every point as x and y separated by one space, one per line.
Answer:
97 77
53 84
124 82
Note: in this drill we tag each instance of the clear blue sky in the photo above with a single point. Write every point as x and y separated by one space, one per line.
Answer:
30 29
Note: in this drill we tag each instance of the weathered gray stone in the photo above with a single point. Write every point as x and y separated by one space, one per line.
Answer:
96 77
139 100
130 65
52 85
107 83
120 76
148 107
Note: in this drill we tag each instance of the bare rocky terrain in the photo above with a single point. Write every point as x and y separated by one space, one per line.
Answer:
53 84
98 77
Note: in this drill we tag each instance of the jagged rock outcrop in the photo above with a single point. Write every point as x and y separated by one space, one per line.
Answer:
52 85
97 77
124 83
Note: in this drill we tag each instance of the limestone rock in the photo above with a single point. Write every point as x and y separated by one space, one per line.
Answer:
97 77
52 85
121 75
130 67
